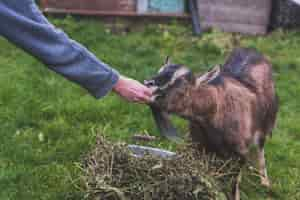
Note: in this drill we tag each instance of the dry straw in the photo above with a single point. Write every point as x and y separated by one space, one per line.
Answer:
112 173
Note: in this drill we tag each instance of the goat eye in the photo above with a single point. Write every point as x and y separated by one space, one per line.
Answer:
165 79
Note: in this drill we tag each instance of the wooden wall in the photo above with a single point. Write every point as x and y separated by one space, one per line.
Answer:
244 16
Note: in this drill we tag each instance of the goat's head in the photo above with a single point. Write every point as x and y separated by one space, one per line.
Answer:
168 77
171 82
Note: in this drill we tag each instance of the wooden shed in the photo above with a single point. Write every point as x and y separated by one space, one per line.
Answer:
243 16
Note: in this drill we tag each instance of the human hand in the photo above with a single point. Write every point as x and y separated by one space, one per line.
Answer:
132 90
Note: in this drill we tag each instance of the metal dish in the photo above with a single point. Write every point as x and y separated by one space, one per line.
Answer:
140 151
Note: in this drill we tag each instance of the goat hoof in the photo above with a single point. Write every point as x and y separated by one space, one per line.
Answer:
237 197
265 182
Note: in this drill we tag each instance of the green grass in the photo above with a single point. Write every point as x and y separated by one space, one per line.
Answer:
49 124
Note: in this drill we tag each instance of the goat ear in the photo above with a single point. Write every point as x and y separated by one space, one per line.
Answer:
191 77
215 69
208 76
168 60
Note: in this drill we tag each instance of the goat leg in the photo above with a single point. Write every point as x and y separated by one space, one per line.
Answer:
164 124
262 168
236 195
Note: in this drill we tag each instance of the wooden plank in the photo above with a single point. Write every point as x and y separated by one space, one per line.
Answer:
44 4
127 5
111 5
244 16
238 28
234 14
63 4
114 13
239 3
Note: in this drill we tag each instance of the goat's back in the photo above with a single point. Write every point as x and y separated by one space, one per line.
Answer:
254 71
249 67
246 105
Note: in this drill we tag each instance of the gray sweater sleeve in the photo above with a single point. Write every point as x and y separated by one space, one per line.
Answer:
22 23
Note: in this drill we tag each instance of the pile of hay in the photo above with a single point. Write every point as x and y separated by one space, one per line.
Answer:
112 173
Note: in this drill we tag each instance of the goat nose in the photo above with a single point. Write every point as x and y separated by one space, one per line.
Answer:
149 83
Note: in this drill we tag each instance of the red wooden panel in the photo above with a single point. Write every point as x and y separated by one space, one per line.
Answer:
125 8
91 5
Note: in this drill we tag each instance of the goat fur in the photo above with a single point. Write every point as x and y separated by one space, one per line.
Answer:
230 109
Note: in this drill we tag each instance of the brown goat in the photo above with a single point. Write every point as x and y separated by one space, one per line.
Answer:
230 108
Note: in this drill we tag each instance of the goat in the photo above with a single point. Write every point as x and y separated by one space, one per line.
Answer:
230 108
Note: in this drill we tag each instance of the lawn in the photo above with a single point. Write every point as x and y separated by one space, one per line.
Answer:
48 124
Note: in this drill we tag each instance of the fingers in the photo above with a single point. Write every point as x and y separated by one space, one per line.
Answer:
142 94
148 91
138 97
142 98
148 94
133 91
145 99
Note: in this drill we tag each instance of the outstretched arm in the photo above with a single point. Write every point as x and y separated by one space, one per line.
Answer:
22 23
